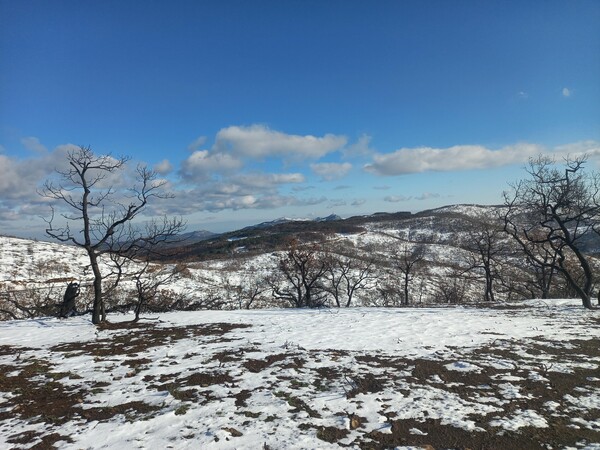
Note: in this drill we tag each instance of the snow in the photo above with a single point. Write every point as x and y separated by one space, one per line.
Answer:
463 366
323 339
520 419
416 332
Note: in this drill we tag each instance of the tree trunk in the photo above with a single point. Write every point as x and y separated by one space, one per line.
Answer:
584 292
98 314
350 299
489 286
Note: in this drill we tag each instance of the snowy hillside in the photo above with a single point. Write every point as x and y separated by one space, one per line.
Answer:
38 272
238 269
474 211
24 261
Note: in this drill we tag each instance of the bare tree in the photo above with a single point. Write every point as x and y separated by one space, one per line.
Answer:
246 290
103 211
543 271
451 288
27 303
488 251
303 270
254 285
388 293
550 214
346 276
148 285
407 260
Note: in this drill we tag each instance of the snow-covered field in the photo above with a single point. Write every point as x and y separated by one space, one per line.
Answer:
522 377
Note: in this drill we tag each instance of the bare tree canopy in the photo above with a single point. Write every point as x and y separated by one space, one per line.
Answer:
408 260
102 211
551 213
302 270
485 242
347 275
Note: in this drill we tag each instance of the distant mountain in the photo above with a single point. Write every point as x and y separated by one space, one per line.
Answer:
329 218
196 236
272 223
447 226
274 235
286 220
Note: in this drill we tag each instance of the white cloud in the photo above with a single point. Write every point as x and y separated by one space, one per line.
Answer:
523 95
577 149
14 178
224 184
359 148
164 167
427 196
19 178
215 198
460 157
396 198
255 190
258 141
33 144
202 164
302 188
197 144
267 180
566 92
331 171
241 202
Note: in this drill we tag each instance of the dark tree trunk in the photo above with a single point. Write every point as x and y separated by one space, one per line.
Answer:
98 313
489 286
406 284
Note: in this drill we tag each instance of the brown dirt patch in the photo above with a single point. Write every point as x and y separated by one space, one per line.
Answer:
331 434
258 365
205 379
36 396
241 397
297 404
46 442
143 337
132 410
365 384
437 435
12 351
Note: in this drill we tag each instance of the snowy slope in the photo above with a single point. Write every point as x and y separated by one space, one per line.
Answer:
40 270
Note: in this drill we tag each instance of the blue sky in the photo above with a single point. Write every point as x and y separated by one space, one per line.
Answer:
256 110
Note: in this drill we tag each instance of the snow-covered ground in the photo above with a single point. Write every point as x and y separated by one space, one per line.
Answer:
526 376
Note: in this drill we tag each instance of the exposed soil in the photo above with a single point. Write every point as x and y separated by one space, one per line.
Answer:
512 377
258 365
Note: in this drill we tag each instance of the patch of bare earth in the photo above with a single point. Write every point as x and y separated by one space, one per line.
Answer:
545 378
538 387
138 337
36 394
